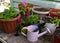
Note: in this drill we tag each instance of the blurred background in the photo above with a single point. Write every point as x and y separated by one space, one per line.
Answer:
5 1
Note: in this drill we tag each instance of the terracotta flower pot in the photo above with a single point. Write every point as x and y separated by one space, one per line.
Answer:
56 39
9 26
57 36
55 13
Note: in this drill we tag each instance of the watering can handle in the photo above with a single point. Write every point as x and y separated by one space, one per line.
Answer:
22 32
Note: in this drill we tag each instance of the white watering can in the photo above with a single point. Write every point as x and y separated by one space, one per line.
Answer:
33 36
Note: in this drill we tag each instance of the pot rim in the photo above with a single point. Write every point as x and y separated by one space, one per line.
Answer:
13 19
42 12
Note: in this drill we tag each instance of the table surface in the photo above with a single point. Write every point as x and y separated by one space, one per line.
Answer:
10 38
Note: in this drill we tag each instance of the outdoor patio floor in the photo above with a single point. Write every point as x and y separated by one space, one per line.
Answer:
10 38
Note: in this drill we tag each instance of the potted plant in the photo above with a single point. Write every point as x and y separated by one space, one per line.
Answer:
53 24
33 19
56 21
25 11
57 36
25 8
41 11
9 20
55 12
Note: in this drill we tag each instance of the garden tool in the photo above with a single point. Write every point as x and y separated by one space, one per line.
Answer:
33 35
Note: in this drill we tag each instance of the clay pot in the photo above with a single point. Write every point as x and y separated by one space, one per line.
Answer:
55 13
9 26
41 11
57 36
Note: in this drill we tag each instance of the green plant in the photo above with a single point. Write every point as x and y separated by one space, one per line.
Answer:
25 8
9 14
55 20
24 31
33 19
25 11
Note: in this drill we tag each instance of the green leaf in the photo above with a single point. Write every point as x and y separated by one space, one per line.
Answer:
8 14
34 19
1 16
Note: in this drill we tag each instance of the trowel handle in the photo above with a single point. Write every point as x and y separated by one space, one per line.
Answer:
41 34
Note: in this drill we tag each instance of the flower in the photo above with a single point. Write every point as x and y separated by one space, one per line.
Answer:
19 7
24 3
25 7
27 13
20 19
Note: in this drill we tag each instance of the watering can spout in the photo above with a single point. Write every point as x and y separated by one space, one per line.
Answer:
41 34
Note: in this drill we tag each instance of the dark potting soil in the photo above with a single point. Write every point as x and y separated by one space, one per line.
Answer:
0 42
57 33
41 9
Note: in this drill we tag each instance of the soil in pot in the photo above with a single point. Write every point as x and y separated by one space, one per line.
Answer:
41 9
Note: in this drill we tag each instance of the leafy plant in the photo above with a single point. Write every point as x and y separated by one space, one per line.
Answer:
55 20
25 7
9 13
24 30
25 11
33 19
